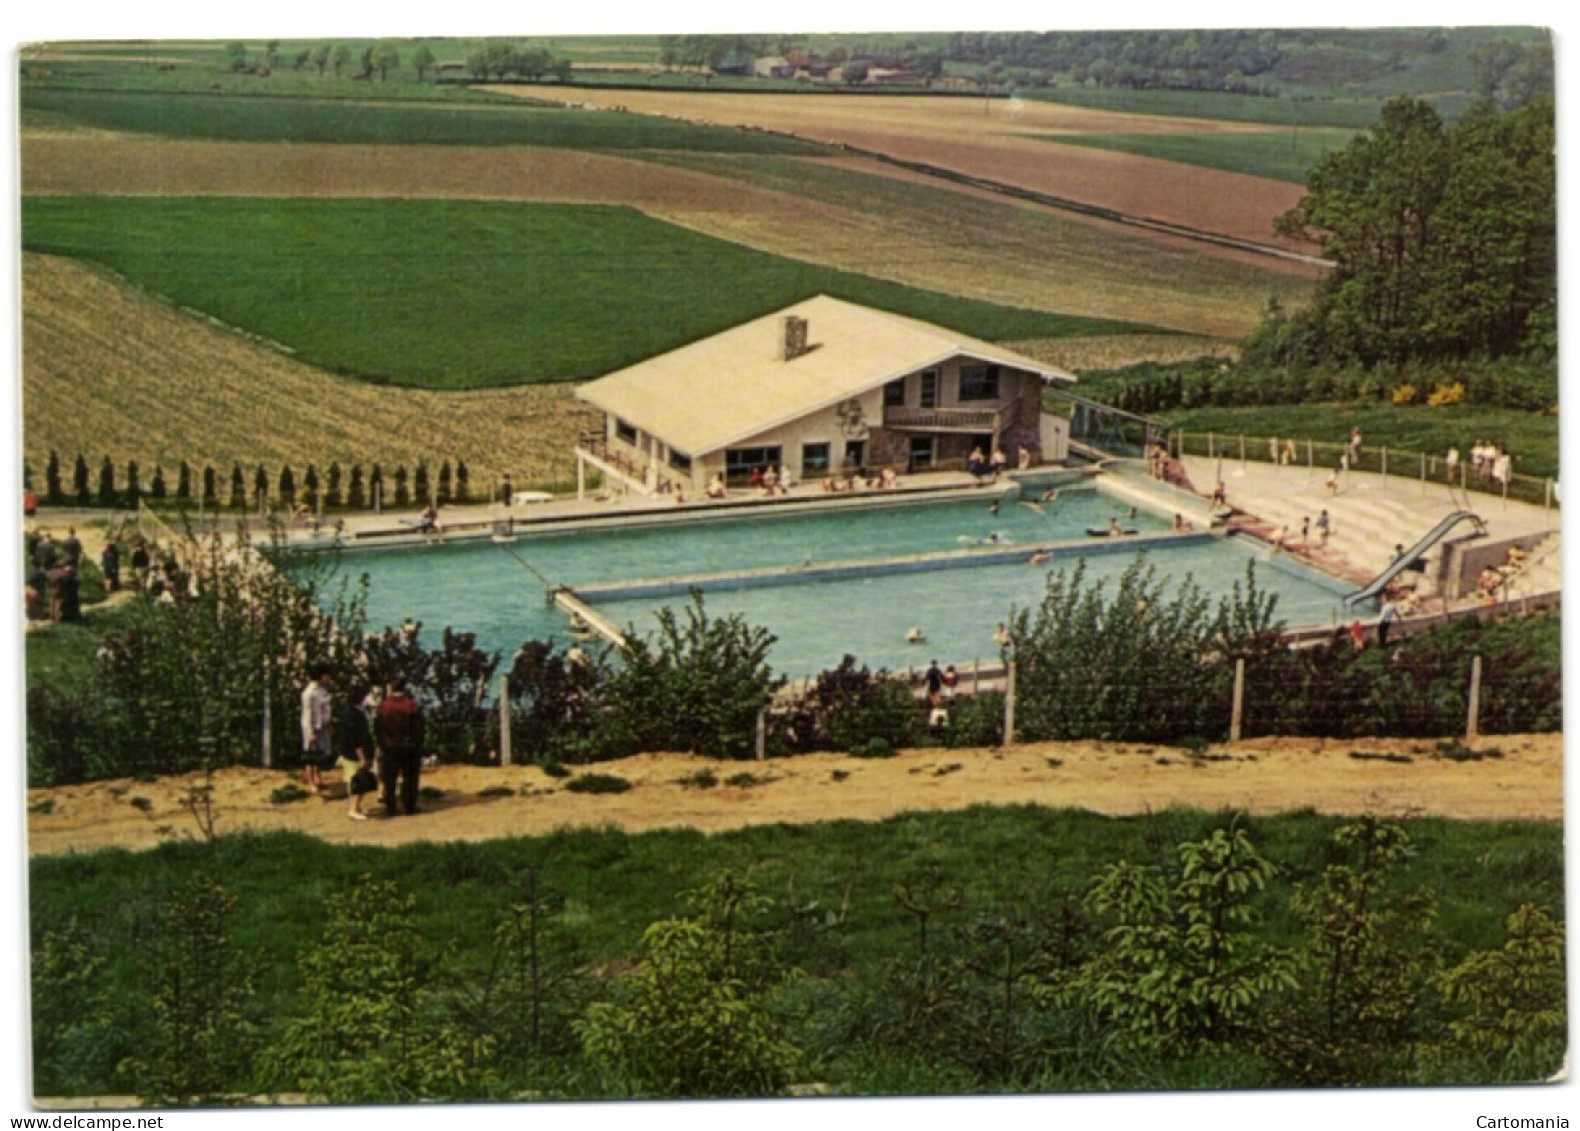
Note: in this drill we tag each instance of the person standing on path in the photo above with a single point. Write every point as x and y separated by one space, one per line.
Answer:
317 714
399 728
935 682
1390 611
110 566
353 739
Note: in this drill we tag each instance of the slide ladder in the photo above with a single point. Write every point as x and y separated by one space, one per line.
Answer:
1406 559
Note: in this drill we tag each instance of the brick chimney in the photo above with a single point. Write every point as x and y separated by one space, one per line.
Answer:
793 342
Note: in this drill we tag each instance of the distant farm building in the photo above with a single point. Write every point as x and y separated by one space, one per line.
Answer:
822 388
773 67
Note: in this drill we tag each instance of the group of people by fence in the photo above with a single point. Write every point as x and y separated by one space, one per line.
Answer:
373 735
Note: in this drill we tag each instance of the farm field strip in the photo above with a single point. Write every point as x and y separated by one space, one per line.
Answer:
865 216
956 134
142 166
461 294
162 381
1284 155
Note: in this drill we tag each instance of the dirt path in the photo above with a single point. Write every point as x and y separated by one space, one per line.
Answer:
1517 777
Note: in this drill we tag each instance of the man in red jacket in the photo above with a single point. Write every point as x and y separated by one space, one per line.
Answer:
400 732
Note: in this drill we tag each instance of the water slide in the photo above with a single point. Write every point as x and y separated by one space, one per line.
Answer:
1405 560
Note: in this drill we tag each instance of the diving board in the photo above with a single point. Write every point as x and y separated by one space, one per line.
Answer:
1405 560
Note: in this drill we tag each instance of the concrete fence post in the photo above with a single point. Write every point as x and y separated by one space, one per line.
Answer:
506 753
1009 704
1385 463
1473 713
1242 449
1237 711
1547 501
1311 456
762 734
266 751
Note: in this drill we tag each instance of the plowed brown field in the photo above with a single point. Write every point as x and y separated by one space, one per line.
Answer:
999 141
1261 776
109 371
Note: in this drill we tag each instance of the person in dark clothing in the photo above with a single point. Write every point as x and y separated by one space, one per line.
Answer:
72 548
140 562
352 738
935 682
68 599
110 564
399 727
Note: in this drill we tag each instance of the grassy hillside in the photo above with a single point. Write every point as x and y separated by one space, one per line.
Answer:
452 294
834 882
1532 437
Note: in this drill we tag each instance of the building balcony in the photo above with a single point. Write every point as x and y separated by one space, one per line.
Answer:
972 420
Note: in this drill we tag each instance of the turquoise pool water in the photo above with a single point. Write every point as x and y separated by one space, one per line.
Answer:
479 587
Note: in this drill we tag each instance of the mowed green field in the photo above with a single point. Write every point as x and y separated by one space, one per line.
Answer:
370 120
449 294
1284 155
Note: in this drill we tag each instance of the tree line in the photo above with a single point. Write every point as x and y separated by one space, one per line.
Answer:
1443 239
334 487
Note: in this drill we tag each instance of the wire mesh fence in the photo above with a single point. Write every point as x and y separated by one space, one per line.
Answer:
1400 464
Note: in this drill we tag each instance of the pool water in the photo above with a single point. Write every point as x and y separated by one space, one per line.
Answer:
483 588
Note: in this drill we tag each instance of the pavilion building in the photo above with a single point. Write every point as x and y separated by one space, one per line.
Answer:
822 388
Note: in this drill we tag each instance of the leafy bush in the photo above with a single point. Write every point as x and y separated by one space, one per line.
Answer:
598 783
704 778
1512 999
848 707
1145 664
695 1017
553 702
976 720
199 991
368 1030
699 688
874 748
1417 687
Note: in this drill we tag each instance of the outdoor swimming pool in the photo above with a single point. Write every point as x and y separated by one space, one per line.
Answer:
486 589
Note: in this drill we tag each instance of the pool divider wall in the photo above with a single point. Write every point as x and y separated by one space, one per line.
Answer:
876 567
576 607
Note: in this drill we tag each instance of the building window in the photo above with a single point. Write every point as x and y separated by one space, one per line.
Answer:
922 452
680 461
624 431
814 460
929 397
739 463
979 382
894 394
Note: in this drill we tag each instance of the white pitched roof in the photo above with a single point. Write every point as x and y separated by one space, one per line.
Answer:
736 384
